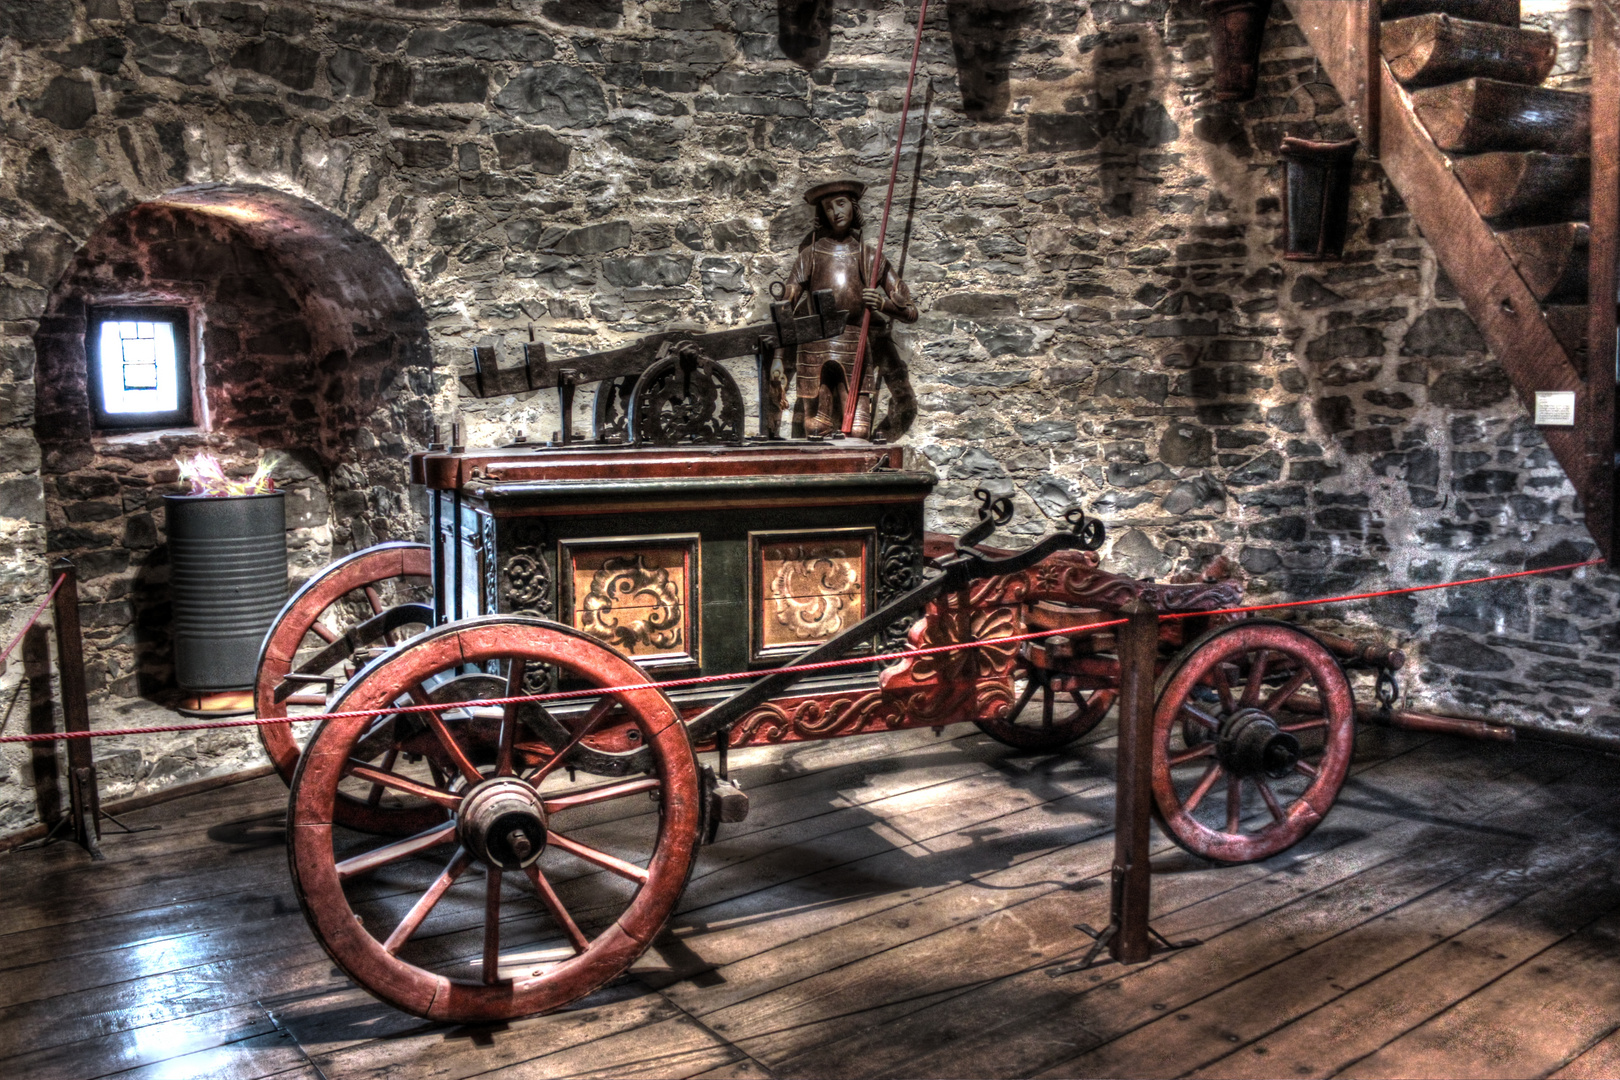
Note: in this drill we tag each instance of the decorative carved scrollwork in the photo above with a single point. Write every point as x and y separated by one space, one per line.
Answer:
486 564
650 595
528 584
610 412
899 563
685 397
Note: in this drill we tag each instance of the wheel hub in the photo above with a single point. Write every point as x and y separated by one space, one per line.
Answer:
1252 743
502 823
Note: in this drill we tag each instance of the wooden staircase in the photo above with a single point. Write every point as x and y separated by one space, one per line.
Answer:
1516 186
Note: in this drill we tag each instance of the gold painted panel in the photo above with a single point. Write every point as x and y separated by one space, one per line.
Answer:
810 589
636 599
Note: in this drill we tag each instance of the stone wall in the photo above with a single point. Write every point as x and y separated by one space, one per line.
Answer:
1094 242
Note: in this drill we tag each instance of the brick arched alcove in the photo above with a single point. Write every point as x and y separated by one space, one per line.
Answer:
309 344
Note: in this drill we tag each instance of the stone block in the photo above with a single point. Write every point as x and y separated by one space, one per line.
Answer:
1456 650
160 55
561 95
633 270
532 148
458 85
735 234
647 140
593 239
423 153
1061 132
1475 388
1046 431
289 64
597 14
481 41
22 498
1198 493
36 22
1442 332
67 102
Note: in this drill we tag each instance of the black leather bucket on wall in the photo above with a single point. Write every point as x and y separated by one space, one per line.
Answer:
1316 197
227 582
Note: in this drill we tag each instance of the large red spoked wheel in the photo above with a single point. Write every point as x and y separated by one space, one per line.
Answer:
1252 737
373 598
1068 705
535 891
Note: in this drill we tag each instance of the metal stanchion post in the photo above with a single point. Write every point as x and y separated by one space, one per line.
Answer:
1133 799
76 710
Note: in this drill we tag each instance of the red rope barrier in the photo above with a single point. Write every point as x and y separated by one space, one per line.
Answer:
34 618
705 680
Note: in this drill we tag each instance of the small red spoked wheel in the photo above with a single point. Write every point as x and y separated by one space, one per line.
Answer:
1252 737
536 891
1069 706
373 598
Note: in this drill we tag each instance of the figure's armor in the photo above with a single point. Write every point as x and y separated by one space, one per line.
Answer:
841 266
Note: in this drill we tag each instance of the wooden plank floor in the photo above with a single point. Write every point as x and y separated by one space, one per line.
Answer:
891 908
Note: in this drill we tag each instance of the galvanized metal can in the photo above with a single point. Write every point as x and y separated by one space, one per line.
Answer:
227 581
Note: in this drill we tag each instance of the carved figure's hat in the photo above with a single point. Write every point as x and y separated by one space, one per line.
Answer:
853 188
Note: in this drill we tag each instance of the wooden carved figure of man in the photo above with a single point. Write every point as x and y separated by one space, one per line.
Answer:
833 257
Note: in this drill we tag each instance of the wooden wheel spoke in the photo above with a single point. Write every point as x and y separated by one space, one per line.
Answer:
324 632
492 926
453 749
554 904
1207 781
601 794
383 778
1223 687
1030 686
1200 716
599 712
1234 802
598 858
374 600
1257 679
509 720
1305 769
399 849
1201 751
1270 798
1305 725
376 794
422 908
1287 690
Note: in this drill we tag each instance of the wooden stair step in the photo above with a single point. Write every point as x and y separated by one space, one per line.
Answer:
1528 187
1552 259
1428 50
1500 12
1479 115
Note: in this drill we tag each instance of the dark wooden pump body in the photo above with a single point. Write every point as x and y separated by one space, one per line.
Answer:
692 559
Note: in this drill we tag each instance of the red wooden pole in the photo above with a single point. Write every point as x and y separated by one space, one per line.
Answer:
858 373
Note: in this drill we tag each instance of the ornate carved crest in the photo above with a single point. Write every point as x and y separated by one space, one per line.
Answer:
528 584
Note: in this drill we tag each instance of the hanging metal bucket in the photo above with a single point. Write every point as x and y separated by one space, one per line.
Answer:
227 582
1235 30
1316 197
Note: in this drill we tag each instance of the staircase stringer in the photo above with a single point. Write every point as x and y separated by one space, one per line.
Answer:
1507 313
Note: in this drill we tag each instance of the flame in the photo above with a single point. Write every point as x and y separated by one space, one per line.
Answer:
207 477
